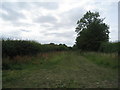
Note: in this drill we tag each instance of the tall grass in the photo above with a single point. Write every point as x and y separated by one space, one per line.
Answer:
104 59
20 62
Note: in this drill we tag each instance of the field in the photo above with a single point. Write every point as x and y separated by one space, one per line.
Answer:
64 69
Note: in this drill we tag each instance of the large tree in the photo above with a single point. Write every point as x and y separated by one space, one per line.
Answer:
91 32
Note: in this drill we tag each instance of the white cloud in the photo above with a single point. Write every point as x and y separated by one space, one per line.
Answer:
53 21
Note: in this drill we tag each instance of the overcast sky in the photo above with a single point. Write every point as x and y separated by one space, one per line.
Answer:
53 21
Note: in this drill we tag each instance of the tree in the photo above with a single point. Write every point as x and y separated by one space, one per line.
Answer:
91 32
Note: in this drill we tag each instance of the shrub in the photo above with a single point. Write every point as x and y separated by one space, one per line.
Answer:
109 47
12 48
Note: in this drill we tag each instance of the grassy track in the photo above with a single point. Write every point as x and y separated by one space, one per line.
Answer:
63 70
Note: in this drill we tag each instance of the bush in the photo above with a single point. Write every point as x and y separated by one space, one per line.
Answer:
109 47
12 48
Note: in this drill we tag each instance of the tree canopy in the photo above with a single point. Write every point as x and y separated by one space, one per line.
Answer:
91 32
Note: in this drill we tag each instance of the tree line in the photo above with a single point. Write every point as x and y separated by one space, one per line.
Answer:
13 48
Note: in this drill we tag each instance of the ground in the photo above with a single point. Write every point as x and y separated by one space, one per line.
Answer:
61 70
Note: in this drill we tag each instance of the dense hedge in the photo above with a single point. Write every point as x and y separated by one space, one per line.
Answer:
110 47
13 48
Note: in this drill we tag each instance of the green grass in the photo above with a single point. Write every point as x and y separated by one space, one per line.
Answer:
60 70
103 59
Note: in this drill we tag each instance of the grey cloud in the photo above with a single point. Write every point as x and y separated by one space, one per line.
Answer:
12 16
23 5
13 13
119 20
17 5
23 30
47 5
75 14
69 18
19 24
46 19
64 35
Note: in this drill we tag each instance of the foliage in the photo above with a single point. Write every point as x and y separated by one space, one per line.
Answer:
19 47
91 32
110 47
13 48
